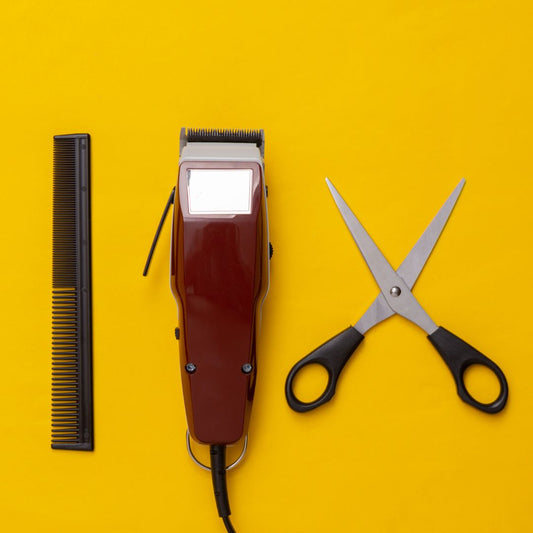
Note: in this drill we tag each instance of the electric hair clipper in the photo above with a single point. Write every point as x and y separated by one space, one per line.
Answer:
219 275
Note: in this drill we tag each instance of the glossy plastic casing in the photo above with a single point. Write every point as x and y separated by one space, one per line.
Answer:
219 277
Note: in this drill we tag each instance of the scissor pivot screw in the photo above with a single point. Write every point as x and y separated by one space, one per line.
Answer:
396 291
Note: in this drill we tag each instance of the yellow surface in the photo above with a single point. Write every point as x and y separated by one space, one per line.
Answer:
395 102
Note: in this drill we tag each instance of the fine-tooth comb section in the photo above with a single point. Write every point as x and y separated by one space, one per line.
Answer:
72 404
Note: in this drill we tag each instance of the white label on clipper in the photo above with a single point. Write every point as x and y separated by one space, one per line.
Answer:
224 191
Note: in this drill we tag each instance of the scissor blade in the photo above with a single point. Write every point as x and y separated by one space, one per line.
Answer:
378 311
413 264
394 289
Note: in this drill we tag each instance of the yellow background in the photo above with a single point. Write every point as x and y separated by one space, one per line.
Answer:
395 101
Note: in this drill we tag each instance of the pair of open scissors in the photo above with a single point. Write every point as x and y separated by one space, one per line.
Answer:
396 298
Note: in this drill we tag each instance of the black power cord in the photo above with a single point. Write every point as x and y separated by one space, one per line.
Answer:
218 475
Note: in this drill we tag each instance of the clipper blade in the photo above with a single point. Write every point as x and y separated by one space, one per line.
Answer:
208 135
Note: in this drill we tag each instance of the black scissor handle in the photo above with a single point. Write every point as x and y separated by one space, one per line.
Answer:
332 355
459 355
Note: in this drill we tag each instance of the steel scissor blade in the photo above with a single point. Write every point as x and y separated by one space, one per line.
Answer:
413 263
395 289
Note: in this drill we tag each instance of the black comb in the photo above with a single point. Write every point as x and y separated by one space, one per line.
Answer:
72 387
196 135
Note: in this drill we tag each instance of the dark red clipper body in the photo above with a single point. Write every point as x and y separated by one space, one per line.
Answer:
219 277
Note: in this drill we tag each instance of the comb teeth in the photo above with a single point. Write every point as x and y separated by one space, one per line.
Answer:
227 136
72 411
65 273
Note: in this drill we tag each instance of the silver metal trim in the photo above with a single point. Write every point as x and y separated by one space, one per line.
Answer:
208 468
200 151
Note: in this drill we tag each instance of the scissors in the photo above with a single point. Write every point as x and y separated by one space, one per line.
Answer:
396 298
